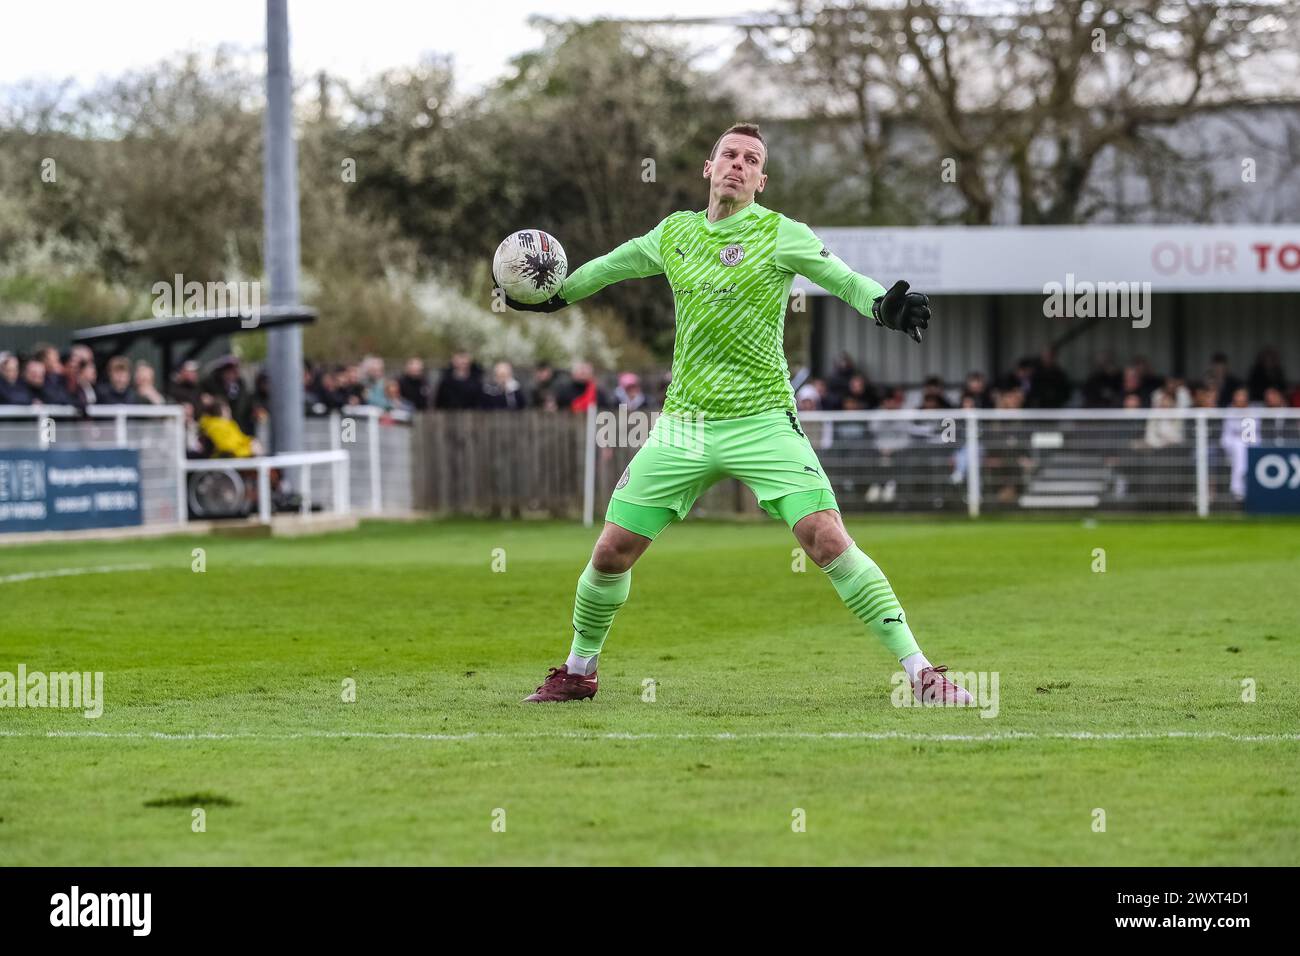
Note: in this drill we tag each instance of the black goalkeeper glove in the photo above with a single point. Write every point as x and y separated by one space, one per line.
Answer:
902 311
553 304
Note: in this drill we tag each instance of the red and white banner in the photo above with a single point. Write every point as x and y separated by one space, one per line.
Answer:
1024 259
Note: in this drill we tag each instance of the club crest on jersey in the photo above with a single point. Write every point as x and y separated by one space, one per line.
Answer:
732 255
622 482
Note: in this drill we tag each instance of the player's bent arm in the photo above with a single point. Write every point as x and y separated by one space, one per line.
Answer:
637 258
798 250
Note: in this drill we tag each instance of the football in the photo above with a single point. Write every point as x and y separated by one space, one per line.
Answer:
530 266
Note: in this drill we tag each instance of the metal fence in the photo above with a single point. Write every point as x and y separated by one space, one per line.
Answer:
1116 460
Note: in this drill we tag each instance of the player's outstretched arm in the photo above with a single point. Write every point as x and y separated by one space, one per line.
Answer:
635 259
798 250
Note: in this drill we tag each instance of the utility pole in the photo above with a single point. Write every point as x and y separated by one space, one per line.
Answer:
280 202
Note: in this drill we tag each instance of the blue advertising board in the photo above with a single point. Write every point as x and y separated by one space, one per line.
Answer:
48 490
1273 481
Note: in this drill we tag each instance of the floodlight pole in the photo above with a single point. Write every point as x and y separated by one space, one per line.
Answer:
280 200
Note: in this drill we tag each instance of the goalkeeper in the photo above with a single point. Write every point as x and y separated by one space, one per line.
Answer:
730 411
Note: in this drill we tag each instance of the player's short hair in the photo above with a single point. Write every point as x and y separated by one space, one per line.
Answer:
744 129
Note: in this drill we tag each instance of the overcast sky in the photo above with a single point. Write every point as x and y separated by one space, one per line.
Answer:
90 39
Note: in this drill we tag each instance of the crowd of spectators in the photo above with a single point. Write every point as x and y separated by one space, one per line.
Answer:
465 385
1041 382
225 390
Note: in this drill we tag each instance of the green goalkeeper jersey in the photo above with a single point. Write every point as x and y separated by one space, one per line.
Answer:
730 280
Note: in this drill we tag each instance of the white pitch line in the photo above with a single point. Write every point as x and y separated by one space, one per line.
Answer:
72 572
575 735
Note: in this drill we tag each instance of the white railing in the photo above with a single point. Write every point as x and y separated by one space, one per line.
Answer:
1051 459
158 432
382 464
263 465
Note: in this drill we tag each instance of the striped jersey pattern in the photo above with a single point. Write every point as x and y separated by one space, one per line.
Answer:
731 280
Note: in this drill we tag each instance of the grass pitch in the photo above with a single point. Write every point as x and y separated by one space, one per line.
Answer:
224 691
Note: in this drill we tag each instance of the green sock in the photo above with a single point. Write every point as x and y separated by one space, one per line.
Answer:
599 597
866 592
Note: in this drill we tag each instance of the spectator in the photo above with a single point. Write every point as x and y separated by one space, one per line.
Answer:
33 381
414 387
227 382
393 395
1234 444
332 388
196 444
831 400
1021 380
583 392
1050 385
12 391
1104 387
1266 373
146 393
312 402
503 391
185 384
891 434
85 379
1207 396
1005 458
54 391
372 381
543 387
461 384
261 402
117 390
1221 379
223 433
976 393
1131 385
1174 389
807 399
1274 430
629 392
842 374
1163 432
861 394
932 394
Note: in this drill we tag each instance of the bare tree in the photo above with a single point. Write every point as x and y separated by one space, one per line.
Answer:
1024 99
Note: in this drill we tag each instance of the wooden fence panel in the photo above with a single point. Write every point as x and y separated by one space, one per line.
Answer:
526 464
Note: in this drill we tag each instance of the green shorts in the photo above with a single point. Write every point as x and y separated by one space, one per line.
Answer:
683 457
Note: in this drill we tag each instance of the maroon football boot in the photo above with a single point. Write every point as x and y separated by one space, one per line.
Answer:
933 688
560 686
